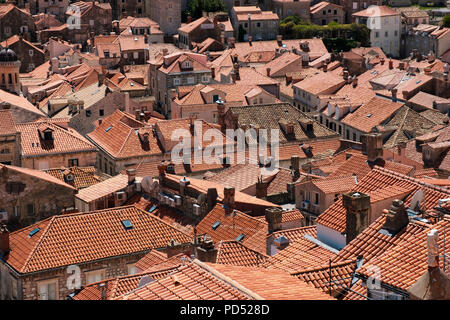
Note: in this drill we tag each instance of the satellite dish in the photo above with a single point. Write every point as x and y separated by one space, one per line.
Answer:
417 198
146 183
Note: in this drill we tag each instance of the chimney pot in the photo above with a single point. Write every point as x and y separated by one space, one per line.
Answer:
228 197
357 205
274 217
131 173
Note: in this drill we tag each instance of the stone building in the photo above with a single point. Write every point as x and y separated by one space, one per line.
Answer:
325 12
9 140
168 15
426 38
15 21
27 53
286 8
48 145
9 71
253 23
352 6
30 195
50 270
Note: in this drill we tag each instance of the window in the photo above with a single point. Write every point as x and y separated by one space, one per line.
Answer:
5 151
386 34
88 113
139 10
73 162
324 12
170 19
10 78
176 82
48 289
170 6
30 52
205 79
131 269
101 112
95 276
30 209
14 187
17 211
215 97
395 33
190 80
91 22
354 136
377 34
246 25
7 31
136 55
335 12
355 5
187 64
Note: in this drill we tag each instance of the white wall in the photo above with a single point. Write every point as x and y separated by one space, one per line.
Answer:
330 237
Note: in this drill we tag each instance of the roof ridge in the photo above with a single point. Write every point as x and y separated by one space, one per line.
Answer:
38 243
326 266
242 244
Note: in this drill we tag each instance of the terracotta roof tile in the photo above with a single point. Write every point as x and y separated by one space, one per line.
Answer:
82 176
88 237
382 11
235 253
7 124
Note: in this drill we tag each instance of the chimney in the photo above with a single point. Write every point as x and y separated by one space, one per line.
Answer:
165 52
391 64
396 218
274 217
183 184
162 169
268 71
355 81
206 252
100 120
222 37
374 147
382 61
213 72
295 167
433 249
4 240
357 205
401 66
228 197
394 94
280 40
236 72
261 188
427 70
325 67
103 290
211 198
221 114
281 242
345 75
250 38
131 173
127 102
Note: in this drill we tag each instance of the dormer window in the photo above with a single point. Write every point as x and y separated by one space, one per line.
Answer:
48 135
187 64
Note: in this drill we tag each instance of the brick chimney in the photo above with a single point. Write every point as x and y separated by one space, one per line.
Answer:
394 94
374 147
211 198
274 218
4 240
131 173
357 205
228 197
396 218
261 188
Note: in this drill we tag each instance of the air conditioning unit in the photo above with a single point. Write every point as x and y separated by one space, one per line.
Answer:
196 209
305 204
178 200
120 196
3 216
172 202
137 186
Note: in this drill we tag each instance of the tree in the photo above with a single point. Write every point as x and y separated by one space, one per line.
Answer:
196 8
446 21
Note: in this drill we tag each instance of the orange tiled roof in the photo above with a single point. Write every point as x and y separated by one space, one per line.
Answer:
402 265
189 282
299 255
19 102
373 183
65 140
381 11
320 277
7 124
232 224
271 284
83 176
287 62
235 253
335 184
88 236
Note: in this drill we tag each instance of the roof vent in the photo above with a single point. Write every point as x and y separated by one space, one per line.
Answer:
33 232
240 237
216 225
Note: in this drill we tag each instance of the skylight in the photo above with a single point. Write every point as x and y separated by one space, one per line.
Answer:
32 233
216 225
240 237
369 115
152 209
109 128
127 224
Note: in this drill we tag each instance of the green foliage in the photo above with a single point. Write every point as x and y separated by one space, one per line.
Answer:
335 35
196 8
446 21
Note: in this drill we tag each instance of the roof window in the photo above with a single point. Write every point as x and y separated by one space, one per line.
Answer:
127 224
109 128
216 225
240 237
32 233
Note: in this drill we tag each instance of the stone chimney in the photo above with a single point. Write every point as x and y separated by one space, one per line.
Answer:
394 94
295 168
221 114
261 188
433 249
228 197
279 40
131 173
127 102
4 240
274 217
374 147
396 218
211 198
357 205
206 252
